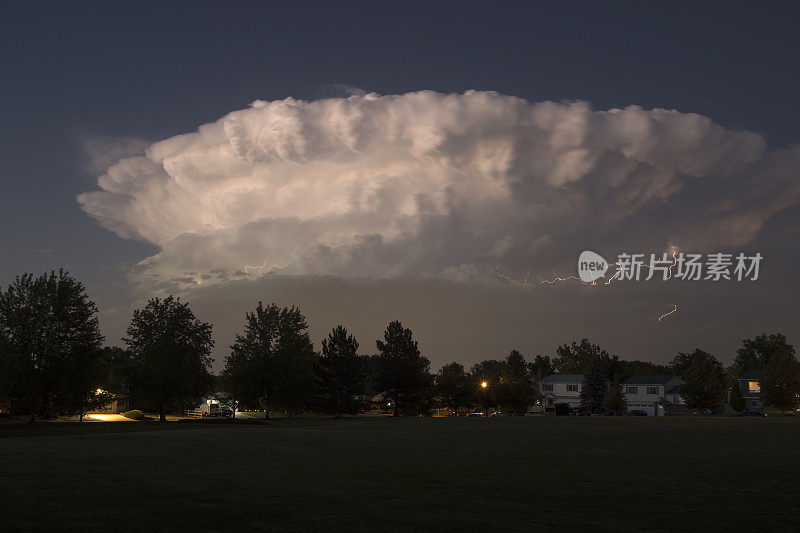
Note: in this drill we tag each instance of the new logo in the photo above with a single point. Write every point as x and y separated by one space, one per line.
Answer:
591 266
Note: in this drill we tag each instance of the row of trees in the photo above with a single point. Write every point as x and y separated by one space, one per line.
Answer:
273 365
51 358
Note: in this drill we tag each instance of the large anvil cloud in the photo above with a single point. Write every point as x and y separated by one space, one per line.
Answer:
437 185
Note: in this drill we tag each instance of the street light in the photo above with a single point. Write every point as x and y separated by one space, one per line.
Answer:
483 388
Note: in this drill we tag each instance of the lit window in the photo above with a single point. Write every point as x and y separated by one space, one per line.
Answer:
572 388
754 386
652 390
632 390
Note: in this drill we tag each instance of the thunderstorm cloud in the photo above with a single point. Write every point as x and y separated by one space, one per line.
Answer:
436 186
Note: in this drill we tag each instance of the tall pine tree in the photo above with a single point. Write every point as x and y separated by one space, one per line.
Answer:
595 386
342 372
403 373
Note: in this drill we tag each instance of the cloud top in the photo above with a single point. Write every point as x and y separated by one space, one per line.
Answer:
436 185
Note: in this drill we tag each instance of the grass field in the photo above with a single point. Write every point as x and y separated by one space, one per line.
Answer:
557 473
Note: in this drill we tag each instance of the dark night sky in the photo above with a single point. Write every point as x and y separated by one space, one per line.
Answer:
80 78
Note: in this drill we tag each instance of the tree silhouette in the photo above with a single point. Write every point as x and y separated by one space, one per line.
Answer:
516 390
756 353
595 386
80 391
540 367
170 353
49 337
237 383
453 387
294 363
704 377
780 382
342 372
575 358
490 371
403 373
272 362
615 401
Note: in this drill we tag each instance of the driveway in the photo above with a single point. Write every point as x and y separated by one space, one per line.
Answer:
108 418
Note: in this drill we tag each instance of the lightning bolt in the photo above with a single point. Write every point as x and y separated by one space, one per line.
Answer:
558 279
612 278
248 268
562 279
674 262
674 309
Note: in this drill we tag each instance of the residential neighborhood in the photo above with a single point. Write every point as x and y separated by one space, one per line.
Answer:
155 374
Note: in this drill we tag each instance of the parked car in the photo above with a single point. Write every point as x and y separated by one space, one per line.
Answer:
204 410
562 409
637 412
751 413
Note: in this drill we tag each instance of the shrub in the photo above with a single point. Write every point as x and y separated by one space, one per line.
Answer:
134 415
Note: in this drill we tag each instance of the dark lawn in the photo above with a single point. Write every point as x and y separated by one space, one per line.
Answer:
410 474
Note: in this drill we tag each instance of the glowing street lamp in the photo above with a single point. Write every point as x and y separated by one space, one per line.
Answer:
483 388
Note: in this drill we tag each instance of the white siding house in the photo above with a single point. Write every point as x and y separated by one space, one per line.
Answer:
561 389
648 393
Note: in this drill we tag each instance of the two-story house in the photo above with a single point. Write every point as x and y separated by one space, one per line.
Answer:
750 387
559 389
648 393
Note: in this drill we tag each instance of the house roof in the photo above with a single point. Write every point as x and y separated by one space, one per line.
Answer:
674 390
644 379
753 373
563 378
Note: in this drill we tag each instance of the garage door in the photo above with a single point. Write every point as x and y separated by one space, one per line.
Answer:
648 408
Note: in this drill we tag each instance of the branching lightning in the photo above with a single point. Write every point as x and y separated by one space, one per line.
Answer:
563 279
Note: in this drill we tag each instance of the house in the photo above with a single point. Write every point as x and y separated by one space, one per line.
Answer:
560 389
750 387
650 393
